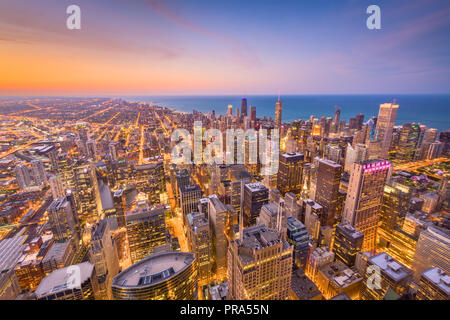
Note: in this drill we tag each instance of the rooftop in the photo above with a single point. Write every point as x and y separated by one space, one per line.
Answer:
58 280
439 278
154 269
391 267
256 186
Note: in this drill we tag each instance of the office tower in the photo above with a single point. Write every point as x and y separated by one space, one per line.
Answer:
347 243
312 217
291 146
430 201
183 179
333 153
199 239
62 220
384 126
434 284
327 190
289 175
217 213
435 150
433 250
58 284
244 107
255 196
91 149
318 258
409 137
297 236
103 255
356 154
259 265
337 119
230 111
162 276
393 277
253 114
272 214
189 198
146 229
120 205
38 172
291 205
59 256
87 193
337 278
359 121
364 198
150 179
113 151
57 187
22 176
278 113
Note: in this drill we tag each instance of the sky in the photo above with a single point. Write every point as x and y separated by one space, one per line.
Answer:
165 47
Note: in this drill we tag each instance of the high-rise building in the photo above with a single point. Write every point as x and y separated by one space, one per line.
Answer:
327 190
434 284
189 199
38 172
384 126
259 265
113 151
162 276
297 236
199 239
22 176
87 193
356 154
255 196
278 114
62 220
336 119
57 187
150 179
91 149
364 198
347 243
103 255
120 206
244 107
433 250
318 258
393 277
146 229
61 284
253 114
409 138
217 213
289 175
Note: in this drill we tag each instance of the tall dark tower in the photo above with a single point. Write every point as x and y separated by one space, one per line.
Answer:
244 107
337 118
278 113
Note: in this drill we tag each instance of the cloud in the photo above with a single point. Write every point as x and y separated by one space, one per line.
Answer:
239 49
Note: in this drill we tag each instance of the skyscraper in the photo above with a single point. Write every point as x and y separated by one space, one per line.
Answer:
289 175
199 238
146 229
38 172
327 190
57 187
62 220
103 255
253 113
364 197
259 265
385 125
244 107
255 196
433 250
217 213
22 176
347 243
434 284
278 113
298 237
